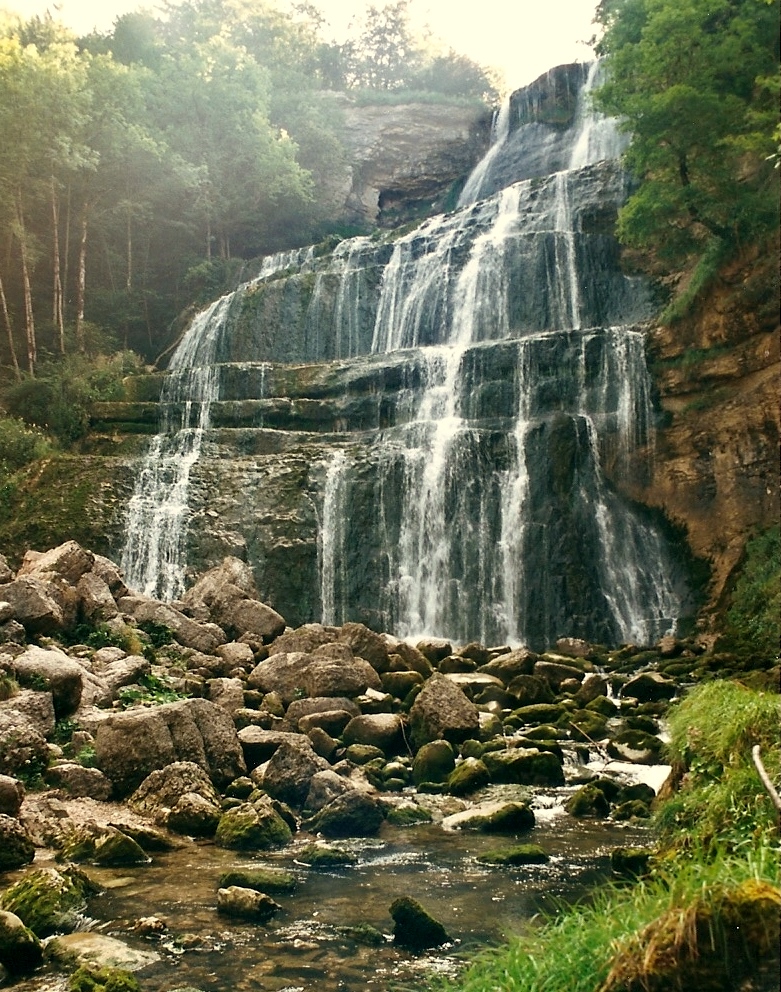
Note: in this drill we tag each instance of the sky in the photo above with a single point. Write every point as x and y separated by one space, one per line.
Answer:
523 38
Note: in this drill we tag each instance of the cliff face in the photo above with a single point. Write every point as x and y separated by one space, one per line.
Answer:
715 464
403 160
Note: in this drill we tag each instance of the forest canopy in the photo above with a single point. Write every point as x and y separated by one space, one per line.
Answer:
148 162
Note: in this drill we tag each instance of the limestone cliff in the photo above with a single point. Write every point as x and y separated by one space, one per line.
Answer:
402 160
715 464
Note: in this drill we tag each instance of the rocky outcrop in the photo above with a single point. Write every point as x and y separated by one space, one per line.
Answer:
403 160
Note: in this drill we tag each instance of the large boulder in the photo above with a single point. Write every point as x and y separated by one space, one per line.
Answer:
246 904
47 900
23 748
131 745
524 766
507 666
96 602
649 687
414 927
288 774
281 673
54 671
20 949
441 711
162 789
16 846
382 730
252 827
229 593
364 643
33 604
69 561
348 677
205 637
354 813
77 781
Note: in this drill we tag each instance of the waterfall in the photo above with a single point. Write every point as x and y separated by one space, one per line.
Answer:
452 402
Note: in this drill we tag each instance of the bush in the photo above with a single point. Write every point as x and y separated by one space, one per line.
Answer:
20 444
753 619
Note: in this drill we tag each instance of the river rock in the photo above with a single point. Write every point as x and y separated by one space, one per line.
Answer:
649 687
131 745
246 904
524 766
69 561
507 666
347 677
303 707
555 673
11 795
521 854
96 602
364 643
16 845
636 746
100 951
190 634
252 827
56 672
76 780
162 789
259 744
352 814
47 900
20 949
411 658
23 749
414 927
282 673
33 605
288 774
441 711
227 693
324 787
587 801
332 722
102 845
434 762
261 879
382 730
435 649
468 776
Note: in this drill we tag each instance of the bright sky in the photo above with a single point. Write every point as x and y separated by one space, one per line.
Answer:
523 38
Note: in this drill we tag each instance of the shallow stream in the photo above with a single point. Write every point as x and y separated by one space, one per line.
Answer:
311 945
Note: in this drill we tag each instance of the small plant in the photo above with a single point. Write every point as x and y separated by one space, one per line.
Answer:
63 731
88 978
87 757
8 686
158 634
149 690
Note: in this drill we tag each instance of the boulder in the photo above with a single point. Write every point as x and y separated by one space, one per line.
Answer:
36 707
288 774
230 594
252 827
20 949
16 845
109 955
521 854
227 693
249 618
78 781
304 639
493 818
441 711
468 776
282 673
434 762
56 672
414 927
102 845
555 673
332 722
107 570
261 879
23 748
11 795
364 643
636 746
382 730
95 601
259 744
649 687
303 707
524 766
434 649
324 787
507 666
352 814
329 677
246 904
162 789
33 605
68 561
412 659
588 800
192 815
190 634
131 745
47 900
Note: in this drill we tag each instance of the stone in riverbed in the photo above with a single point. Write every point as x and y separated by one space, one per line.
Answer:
352 814
442 711
523 854
47 900
414 927
20 949
468 776
16 846
434 762
252 827
261 879
246 904
524 766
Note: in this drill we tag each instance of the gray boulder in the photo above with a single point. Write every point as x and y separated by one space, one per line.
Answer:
190 634
349 677
69 561
33 605
96 602
288 774
354 813
54 670
163 788
281 673
23 748
441 711
131 745
382 730
78 781
246 904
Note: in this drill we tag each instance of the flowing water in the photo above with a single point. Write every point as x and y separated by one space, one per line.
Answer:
498 355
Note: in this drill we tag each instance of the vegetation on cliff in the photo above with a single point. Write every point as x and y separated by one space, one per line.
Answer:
696 83
706 914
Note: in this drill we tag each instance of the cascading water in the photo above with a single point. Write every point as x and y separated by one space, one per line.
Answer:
477 378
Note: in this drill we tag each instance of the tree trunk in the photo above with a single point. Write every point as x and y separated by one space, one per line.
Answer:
129 280
57 308
81 285
10 331
29 317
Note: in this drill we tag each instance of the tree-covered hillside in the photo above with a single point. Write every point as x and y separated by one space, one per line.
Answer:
145 164
697 85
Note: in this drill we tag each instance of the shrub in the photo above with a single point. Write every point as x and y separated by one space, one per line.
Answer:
753 619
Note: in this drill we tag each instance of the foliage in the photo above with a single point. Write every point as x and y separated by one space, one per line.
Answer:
150 690
712 732
59 397
158 633
8 686
696 83
20 444
753 619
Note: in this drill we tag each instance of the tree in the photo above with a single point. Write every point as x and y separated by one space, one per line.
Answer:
696 84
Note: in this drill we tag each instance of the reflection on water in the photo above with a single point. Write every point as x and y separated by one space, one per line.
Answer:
312 944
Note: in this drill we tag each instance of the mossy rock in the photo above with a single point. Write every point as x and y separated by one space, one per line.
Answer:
252 828
407 815
20 949
630 862
587 801
522 854
545 732
510 818
325 856
434 762
240 788
468 776
363 933
414 927
524 767
535 714
634 809
47 900
260 879
602 705
88 978
105 846
363 754
637 746
472 748
585 725
246 904
639 721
